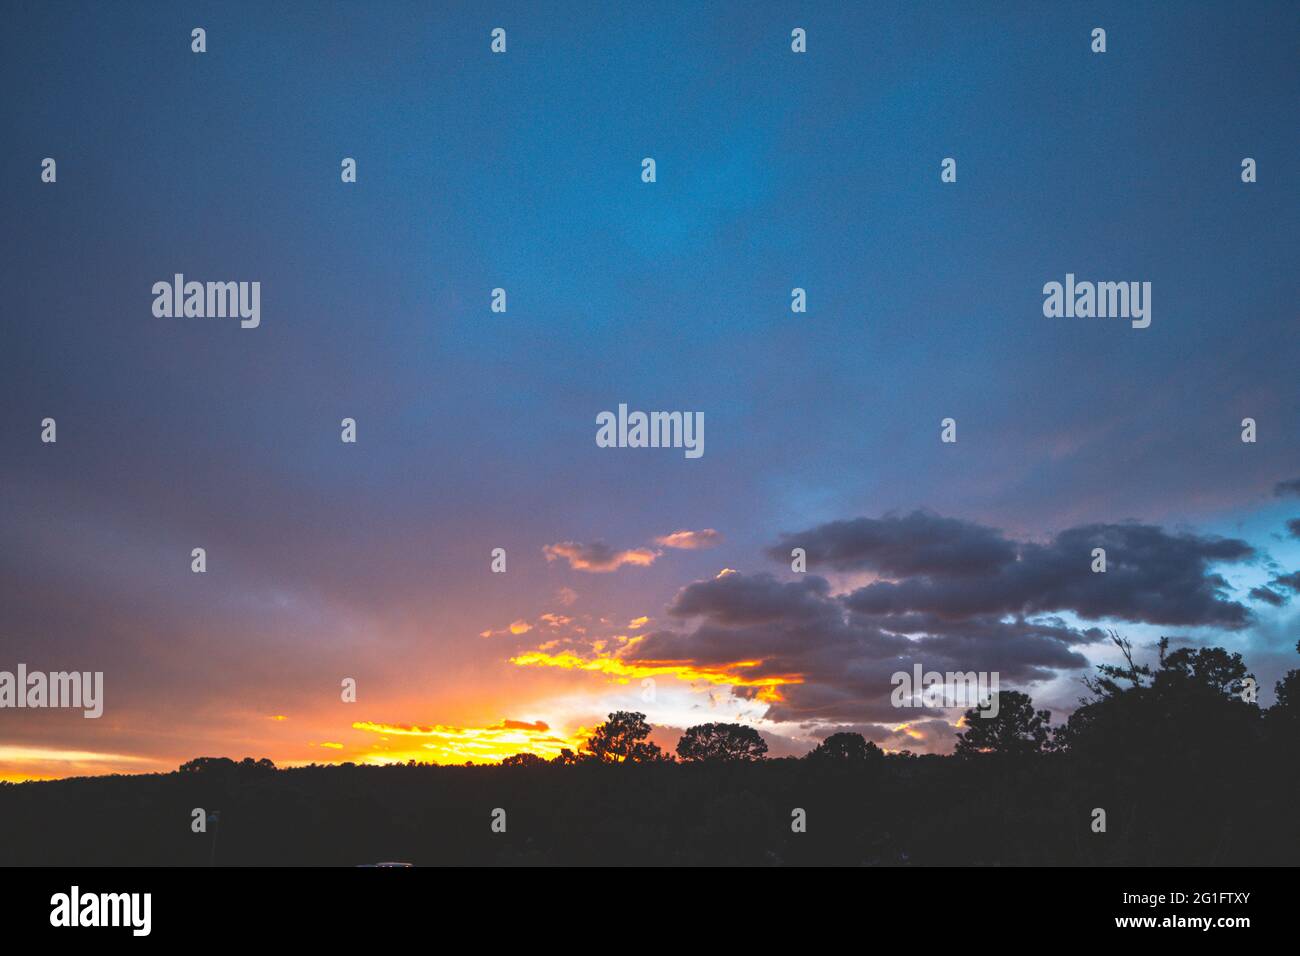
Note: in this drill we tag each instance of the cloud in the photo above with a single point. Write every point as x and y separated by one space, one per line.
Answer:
1291 580
1293 526
690 540
517 627
598 558
918 543
522 725
1268 596
623 670
844 660
1152 577
950 595
1287 488
440 743
737 598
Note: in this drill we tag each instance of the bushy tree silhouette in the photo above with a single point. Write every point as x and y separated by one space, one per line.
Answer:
524 759
224 765
1283 718
622 739
1017 730
1194 698
845 747
718 743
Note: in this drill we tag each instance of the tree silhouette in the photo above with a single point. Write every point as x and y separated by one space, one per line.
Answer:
1106 682
622 739
846 747
225 766
1211 669
721 743
1284 715
525 759
1016 731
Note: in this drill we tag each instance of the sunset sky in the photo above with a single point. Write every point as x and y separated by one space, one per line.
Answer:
476 430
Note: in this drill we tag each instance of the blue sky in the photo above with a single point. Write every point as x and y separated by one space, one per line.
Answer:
476 430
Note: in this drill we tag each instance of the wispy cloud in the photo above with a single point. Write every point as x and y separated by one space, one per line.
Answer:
690 540
598 558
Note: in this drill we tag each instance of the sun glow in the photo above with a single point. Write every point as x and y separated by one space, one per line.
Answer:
445 744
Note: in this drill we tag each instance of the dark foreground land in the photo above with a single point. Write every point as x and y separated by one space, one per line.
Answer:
902 810
1237 810
1186 767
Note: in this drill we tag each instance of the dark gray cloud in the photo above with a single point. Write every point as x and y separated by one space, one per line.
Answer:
1151 577
754 599
1285 489
960 597
898 546
1293 526
844 659
1268 596
1291 580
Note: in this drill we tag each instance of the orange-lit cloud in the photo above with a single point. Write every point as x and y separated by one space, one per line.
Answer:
521 725
637 623
598 558
690 540
622 670
910 731
448 744
515 627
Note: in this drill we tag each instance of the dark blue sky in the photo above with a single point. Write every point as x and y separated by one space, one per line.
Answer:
476 430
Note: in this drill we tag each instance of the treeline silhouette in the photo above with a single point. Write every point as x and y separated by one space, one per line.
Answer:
1187 767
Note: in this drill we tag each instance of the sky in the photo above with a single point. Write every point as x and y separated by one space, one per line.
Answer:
476 429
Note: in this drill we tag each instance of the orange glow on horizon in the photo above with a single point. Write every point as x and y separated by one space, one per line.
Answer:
455 745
